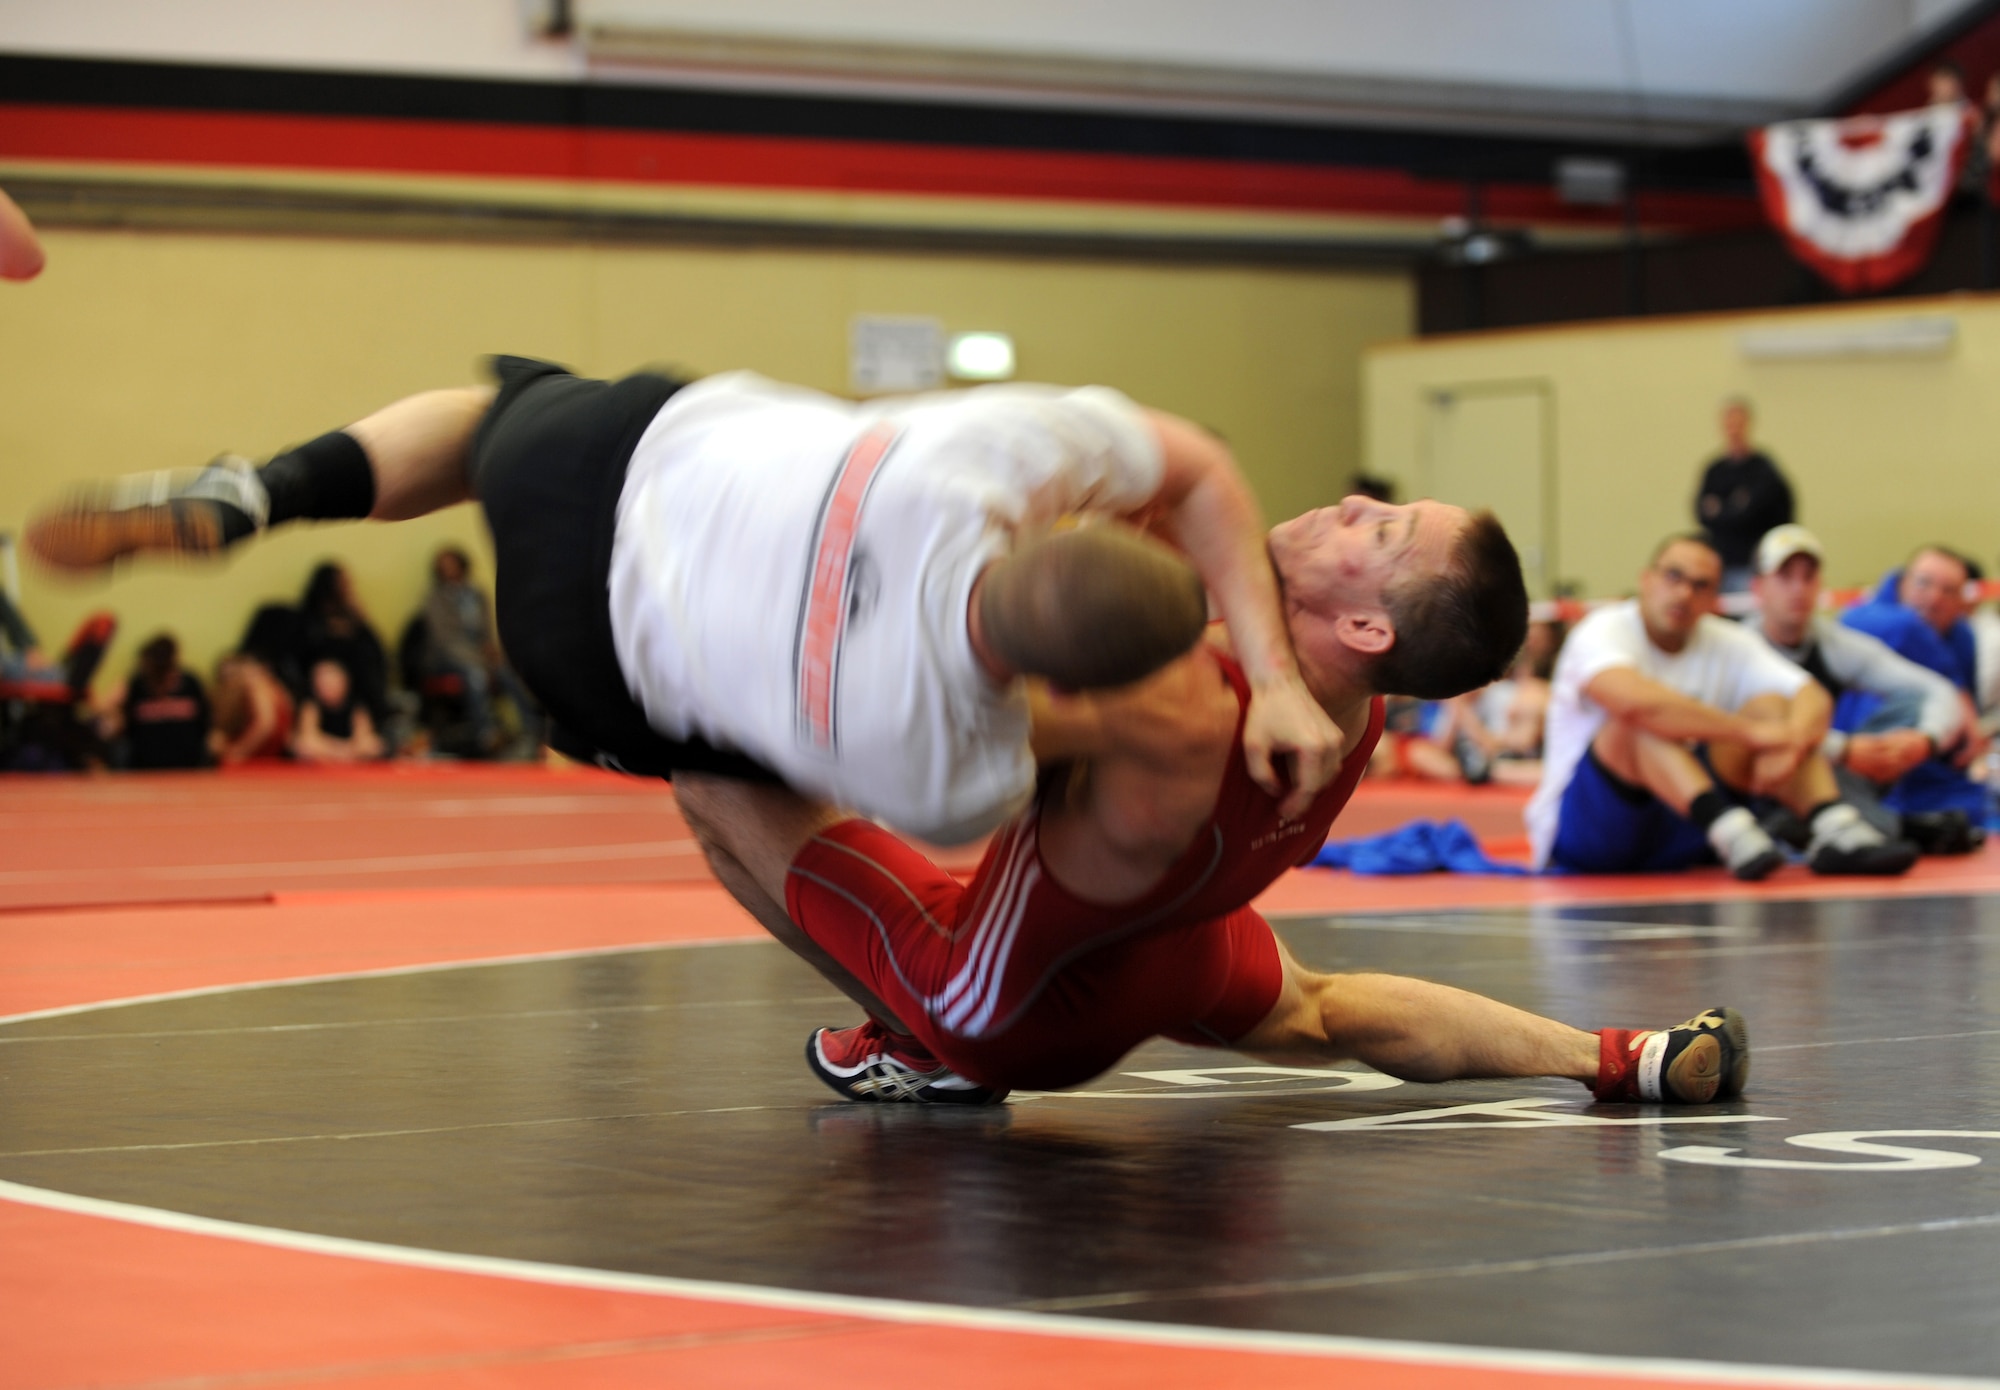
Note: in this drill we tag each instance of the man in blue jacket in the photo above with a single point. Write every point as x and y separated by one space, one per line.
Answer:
1920 611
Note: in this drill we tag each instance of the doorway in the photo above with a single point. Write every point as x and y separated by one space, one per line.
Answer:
1491 444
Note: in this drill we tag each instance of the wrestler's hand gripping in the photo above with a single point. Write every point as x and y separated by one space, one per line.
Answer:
1284 721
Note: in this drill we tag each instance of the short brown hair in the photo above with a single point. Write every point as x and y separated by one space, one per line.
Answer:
1092 607
1700 538
1457 630
1964 562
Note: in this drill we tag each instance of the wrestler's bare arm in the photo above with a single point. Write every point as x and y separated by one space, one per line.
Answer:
1211 514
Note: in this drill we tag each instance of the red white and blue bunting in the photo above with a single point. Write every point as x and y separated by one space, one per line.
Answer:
1860 200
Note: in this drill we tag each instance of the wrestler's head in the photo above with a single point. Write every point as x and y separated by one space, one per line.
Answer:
1424 599
1087 609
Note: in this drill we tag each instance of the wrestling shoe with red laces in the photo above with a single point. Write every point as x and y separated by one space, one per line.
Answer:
869 1063
1707 1058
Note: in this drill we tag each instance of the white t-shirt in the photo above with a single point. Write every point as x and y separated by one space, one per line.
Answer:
1985 625
1721 665
790 575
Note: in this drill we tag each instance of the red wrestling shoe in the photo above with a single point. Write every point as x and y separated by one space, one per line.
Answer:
869 1063
1707 1058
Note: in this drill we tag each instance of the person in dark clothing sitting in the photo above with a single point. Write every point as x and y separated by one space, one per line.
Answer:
459 641
334 726
336 629
164 716
1743 495
42 723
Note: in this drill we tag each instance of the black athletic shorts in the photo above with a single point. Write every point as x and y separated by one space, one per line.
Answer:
548 464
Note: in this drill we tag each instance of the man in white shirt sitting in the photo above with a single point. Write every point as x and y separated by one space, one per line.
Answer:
1984 620
1664 717
1923 714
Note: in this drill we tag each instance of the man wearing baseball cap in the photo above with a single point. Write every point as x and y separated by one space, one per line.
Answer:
1920 714
1667 722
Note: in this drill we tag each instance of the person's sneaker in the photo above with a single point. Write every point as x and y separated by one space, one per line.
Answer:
1942 832
869 1063
1787 827
1844 843
1742 845
181 513
1705 1059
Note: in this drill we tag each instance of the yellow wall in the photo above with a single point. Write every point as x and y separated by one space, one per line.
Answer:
137 351
1883 454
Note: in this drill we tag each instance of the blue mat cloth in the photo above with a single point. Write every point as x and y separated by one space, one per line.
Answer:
1421 847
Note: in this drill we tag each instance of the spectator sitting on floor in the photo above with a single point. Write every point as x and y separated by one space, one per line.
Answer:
1920 712
21 656
253 713
1489 735
1742 496
336 629
161 718
1406 748
1920 611
1663 717
1984 621
334 725
54 730
459 641
276 636
1497 732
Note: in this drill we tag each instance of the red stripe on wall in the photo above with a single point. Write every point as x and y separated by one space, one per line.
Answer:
362 145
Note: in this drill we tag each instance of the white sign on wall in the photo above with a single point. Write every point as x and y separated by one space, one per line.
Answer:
887 353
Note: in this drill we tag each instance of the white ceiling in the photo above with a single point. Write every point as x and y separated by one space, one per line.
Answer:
1654 69
1784 50
1651 69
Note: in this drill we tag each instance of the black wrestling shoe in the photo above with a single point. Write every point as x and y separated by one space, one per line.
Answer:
177 513
1943 832
869 1063
1844 843
1705 1059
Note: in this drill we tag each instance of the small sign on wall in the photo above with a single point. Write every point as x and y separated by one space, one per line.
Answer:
887 353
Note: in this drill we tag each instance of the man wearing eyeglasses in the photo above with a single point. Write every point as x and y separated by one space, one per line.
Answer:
1664 719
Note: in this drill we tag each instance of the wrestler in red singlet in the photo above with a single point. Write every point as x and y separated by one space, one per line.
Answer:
1012 981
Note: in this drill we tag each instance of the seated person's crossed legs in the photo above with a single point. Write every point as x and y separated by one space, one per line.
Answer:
1644 803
